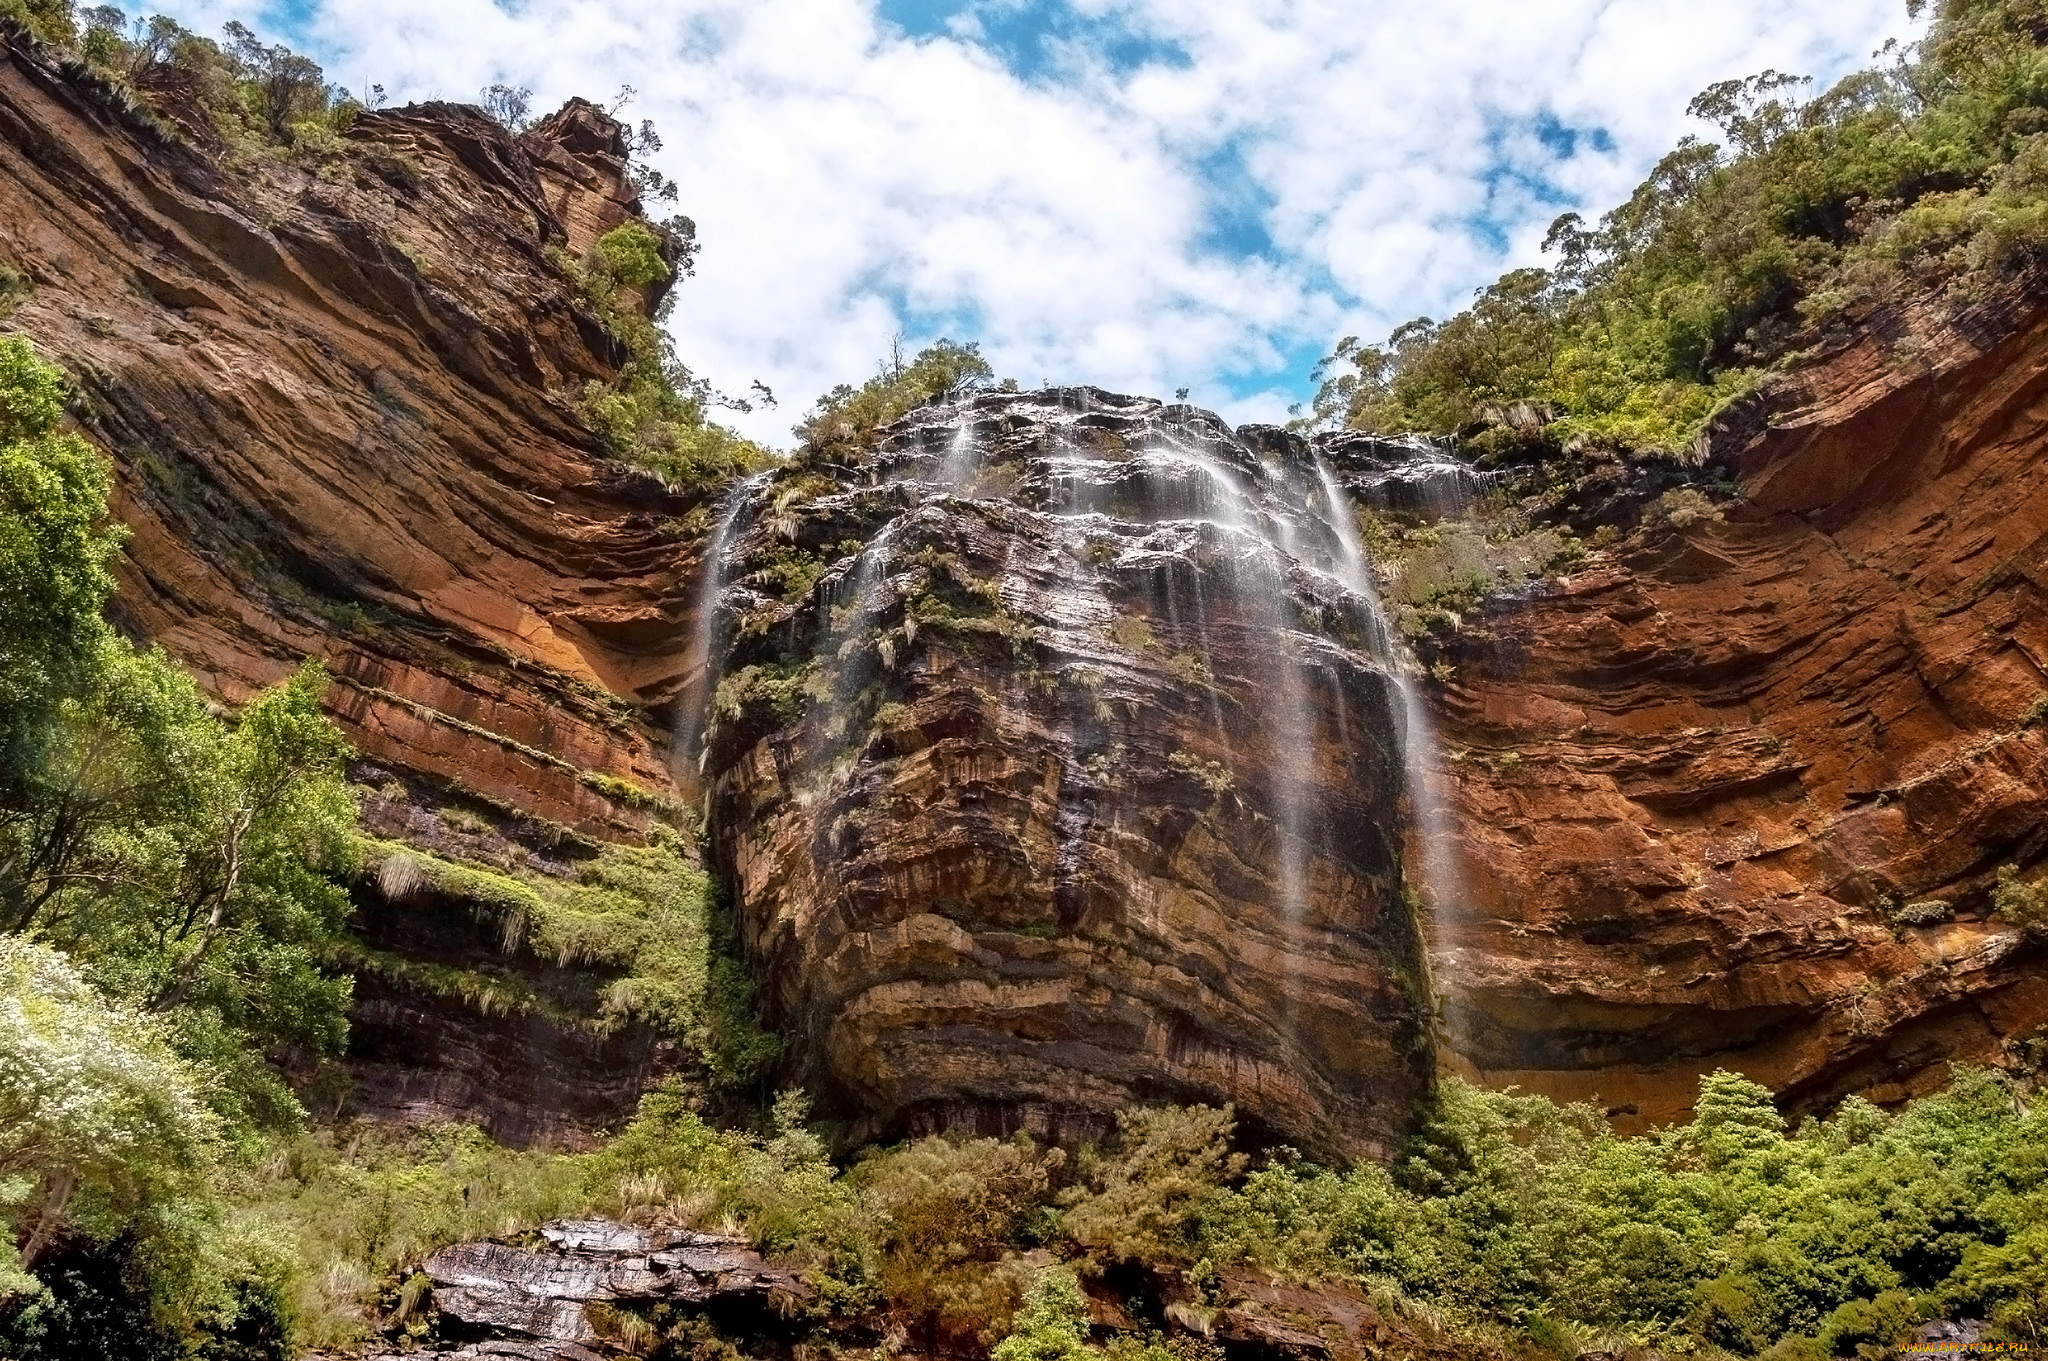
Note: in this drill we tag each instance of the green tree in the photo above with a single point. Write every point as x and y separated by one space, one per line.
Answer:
102 1128
844 421
54 580
1052 1325
1928 173
187 863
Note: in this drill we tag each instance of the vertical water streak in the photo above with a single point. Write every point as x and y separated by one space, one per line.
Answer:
963 457
1437 875
1292 727
1208 652
693 705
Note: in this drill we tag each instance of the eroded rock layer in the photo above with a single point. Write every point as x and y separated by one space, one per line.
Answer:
1057 755
1056 768
1737 794
338 393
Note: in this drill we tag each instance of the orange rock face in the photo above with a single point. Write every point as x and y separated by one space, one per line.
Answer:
1065 815
336 399
337 395
1737 796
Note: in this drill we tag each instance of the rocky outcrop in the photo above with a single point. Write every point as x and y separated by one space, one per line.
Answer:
1736 793
568 1299
544 1294
338 391
1056 768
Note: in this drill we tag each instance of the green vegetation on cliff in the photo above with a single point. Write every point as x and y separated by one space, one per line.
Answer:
1926 174
656 414
167 899
844 422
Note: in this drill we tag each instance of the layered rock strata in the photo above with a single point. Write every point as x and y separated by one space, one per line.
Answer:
1056 768
1737 793
339 393
543 1297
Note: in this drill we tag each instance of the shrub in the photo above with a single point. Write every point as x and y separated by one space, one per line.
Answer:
656 413
1053 1324
98 1118
2022 904
1144 1198
844 422
947 1217
630 256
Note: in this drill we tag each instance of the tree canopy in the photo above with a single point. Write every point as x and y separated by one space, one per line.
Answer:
1927 173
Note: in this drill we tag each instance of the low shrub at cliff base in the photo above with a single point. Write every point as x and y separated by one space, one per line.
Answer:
1510 1221
952 1222
1926 174
1725 1232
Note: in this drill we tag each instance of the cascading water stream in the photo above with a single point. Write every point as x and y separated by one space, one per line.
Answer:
1437 874
693 705
1082 678
963 458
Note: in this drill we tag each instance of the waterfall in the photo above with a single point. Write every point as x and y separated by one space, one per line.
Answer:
963 458
1436 872
693 705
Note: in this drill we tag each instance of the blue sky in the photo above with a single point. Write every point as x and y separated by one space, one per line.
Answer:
1142 194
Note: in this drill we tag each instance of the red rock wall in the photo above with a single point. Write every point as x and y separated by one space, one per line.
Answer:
1690 782
336 395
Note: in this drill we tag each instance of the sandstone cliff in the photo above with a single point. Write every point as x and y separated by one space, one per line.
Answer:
337 394
1056 757
1737 794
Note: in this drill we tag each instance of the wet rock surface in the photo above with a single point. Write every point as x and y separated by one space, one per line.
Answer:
1056 767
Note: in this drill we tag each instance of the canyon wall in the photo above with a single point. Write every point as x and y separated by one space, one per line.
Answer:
1057 768
338 393
1054 755
1737 793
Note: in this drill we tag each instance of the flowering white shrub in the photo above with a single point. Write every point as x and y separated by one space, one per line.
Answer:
99 1120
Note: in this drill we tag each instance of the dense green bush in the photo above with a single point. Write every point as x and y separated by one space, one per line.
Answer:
1727 1231
1052 1325
656 413
1926 173
186 865
843 423
949 1218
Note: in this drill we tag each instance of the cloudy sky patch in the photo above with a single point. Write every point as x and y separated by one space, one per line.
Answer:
1141 194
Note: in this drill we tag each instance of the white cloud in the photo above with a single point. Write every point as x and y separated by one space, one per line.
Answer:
849 180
